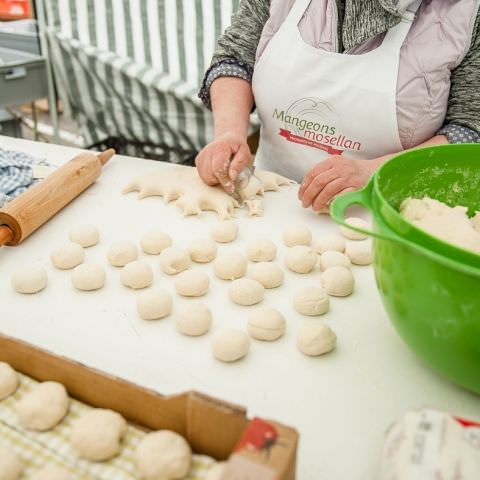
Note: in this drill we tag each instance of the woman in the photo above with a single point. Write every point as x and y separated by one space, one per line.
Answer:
340 86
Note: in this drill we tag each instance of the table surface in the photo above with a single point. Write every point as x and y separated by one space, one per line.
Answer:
341 403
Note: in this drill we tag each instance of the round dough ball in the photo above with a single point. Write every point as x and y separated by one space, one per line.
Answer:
8 380
338 281
360 253
163 455
30 280
192 283
268 274
329 242
84 235
225 231
67 256
332 258
121 253
230 345
296 235
154 304
352 234
51 472
246 291
261 250
88 277
311 301
96 435
230 266
194 319
301 259
136 275
174 260
316 338
216 471
155 242
266 324
43 407
10 466
203 250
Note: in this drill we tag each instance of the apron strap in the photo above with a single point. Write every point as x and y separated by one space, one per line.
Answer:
395 37
297 11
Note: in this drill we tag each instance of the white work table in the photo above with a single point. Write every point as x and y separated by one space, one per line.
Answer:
341 403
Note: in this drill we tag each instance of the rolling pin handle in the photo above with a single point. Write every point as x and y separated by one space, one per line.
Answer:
6 235
106 155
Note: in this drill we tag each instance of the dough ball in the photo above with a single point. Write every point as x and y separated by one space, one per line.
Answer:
84 235
352 234
268 274
174 260
68 255
296 235
194 319
230 345
51 472
8 380
332 258
261 250
230 266
136 275
360 253
266 324
43 407
163 455
10 466
154 304
30 280
246 291
225 231
216 471
301 259
338 281
121 253
155 242
97 434
203 250
311 301
192 283
316 338
329 242
88 276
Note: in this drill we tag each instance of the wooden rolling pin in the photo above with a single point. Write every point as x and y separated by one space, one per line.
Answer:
30 210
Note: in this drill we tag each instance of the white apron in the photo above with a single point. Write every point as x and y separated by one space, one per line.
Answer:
314 103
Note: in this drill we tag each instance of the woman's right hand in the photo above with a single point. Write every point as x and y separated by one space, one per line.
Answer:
223 159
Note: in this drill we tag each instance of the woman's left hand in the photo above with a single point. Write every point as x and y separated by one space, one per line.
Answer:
334 176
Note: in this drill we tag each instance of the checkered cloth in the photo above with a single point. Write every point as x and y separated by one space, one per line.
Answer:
39 449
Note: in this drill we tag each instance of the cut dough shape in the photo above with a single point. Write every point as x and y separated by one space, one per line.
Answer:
266 324
253 188
194 319
359 252
246 292
8 380
203 250
230 345
230 266
332 258
68 255
121 253
154 304
136 275
255 207
225 231
311 301
51 472
261 250
163 455
268 274
315 338
30 280
88 277
43 407
155 242
329 242
192 283
97 434
300 259
297 235
352 234
10 466
338 281
84 235
272 181
174 260
216 471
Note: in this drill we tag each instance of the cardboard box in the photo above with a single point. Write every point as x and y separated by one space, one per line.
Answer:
256 449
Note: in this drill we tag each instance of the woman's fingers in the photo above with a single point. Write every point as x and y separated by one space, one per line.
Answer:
316 185
220 164
204 168
318 169
240 160
323 199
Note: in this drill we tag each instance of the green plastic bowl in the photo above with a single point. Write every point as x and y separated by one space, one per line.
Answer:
430 288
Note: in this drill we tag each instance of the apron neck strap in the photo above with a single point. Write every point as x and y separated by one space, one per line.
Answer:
396 35
297 11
